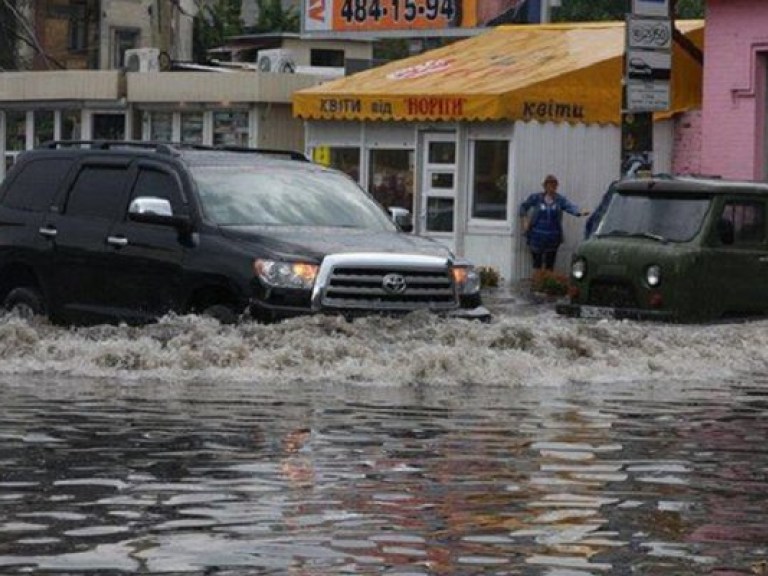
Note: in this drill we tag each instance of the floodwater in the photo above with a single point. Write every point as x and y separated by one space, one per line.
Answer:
533 445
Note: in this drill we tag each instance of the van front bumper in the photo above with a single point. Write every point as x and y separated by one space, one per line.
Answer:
598 312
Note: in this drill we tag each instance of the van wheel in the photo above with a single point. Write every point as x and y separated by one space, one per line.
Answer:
25 301
224 314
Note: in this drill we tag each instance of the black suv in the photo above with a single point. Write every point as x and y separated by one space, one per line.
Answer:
129 231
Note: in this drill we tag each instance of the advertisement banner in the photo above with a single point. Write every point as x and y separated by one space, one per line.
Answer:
420 17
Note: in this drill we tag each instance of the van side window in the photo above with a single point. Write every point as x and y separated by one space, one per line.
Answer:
158 184
747 219
35 186
97 192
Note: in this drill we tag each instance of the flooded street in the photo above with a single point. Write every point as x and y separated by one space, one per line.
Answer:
533 445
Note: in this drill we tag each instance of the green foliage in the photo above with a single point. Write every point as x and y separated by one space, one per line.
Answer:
590 10
391 49
690 8
489 276
274 18
214 23
550 283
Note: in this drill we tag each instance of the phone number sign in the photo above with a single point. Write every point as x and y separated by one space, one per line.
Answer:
379 15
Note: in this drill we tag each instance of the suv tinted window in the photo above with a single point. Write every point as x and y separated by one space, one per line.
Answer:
97 192
158 184
34 187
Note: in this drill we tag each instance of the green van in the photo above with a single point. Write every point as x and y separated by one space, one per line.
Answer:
675 249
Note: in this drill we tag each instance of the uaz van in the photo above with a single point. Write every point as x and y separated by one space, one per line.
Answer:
676 249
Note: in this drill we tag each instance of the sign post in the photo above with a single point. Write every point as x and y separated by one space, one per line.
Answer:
647 78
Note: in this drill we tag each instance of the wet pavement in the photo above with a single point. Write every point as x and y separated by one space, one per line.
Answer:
532 445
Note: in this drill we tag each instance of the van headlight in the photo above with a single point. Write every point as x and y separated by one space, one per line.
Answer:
579 269
653 275
467 279
300 275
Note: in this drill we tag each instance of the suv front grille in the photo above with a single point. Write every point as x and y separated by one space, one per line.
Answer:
385 282
612 293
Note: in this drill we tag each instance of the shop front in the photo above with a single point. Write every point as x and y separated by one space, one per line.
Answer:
462 134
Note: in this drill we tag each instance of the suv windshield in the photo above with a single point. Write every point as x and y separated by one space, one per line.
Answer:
665 218
274 196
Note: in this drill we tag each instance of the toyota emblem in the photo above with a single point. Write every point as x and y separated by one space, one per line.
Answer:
394 283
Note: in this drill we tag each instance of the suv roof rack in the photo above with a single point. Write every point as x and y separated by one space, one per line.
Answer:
292 154
161 147
170 148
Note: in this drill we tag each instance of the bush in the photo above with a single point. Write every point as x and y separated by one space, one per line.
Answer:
489 276
550 283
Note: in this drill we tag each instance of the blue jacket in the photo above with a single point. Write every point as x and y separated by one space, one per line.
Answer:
545 230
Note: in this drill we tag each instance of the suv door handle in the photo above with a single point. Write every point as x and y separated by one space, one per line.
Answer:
118 241
48 231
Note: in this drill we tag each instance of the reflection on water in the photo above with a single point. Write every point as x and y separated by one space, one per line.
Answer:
529 446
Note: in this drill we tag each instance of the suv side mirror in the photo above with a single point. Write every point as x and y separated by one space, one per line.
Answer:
151 210
402 218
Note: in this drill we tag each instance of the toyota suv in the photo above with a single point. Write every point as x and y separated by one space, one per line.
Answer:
129 231
675 249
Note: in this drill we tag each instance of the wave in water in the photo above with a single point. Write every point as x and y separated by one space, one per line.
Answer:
538 348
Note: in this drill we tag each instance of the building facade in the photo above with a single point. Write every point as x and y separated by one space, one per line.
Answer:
735 99
462 134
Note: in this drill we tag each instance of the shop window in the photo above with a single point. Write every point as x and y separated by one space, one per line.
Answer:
70 125
108 127
161 126
44 120
441 180
391 177
15 131
442 152
192 127
489 179
345 159
230 128
440 214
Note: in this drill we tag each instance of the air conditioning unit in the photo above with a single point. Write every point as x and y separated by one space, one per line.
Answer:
142 60
276 60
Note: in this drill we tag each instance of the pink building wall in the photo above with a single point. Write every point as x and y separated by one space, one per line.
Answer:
686 156
733 121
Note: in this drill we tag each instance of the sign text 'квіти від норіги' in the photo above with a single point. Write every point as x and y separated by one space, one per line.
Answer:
415 106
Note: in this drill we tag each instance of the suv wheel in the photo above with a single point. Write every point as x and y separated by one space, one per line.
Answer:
224 314
25 301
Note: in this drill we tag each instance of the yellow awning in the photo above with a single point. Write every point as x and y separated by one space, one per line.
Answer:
556 72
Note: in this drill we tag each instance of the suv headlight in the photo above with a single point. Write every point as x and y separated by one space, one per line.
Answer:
467 279
579 269
299 275
653 275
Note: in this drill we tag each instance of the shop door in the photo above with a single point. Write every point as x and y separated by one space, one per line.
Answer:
438 199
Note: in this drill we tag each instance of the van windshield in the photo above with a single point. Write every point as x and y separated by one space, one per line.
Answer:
667 218
271 195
